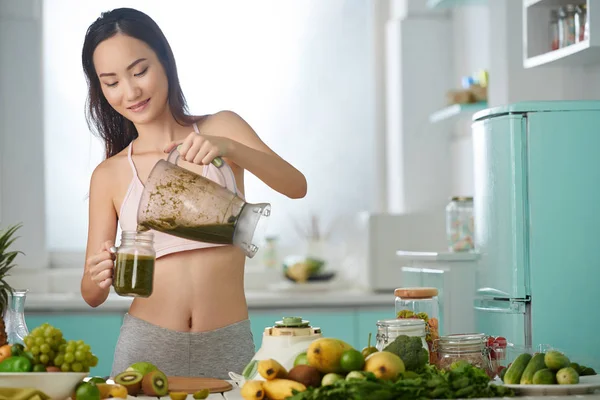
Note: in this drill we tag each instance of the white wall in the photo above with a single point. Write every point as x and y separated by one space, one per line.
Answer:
21 126
303 78
471 33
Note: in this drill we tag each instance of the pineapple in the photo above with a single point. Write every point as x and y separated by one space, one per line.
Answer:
6 264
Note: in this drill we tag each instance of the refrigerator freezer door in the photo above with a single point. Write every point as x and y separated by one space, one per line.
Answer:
499 153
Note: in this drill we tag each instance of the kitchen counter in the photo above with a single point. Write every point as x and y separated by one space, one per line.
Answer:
235 395
348 298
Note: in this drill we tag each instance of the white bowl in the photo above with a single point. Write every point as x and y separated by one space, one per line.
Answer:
57 385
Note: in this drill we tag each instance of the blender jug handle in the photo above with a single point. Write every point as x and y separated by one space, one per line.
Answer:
217 162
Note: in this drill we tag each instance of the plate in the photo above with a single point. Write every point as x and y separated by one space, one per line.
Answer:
586 385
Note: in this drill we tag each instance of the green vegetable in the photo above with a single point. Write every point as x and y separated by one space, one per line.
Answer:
39 368
16 364
410 349
17 349
462 380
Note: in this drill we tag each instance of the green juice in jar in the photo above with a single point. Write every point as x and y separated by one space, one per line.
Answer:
134 275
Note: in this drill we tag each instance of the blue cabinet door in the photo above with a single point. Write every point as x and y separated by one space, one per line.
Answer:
100 331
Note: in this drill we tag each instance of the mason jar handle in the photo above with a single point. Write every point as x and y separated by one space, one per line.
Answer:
218 162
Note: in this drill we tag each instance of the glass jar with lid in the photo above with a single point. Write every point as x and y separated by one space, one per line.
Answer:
420 303
581 28
460 224
469 347
389 329
134 264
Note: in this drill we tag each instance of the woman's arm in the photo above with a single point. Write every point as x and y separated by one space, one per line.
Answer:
226 134
97 275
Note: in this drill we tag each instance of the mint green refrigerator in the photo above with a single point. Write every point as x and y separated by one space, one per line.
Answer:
537 225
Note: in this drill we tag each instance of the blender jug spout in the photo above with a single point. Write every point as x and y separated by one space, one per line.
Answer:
245 226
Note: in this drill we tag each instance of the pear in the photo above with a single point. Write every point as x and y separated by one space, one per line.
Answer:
384 365
325 354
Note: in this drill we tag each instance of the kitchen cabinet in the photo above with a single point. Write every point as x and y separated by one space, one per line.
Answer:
101 330
581 48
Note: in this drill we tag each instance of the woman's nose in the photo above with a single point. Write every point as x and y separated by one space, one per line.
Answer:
133 91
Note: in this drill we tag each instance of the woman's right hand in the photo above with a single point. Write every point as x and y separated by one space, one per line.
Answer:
100 266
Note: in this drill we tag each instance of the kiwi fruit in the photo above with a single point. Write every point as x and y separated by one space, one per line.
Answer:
155 383
178 395
132 380
305 374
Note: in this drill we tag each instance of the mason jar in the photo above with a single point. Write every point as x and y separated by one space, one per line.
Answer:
134 264
460 225
469 347
389 329
421 303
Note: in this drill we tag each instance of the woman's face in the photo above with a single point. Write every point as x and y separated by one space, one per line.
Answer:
132 78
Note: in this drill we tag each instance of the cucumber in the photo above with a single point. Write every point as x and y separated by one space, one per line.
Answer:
535 364
513 375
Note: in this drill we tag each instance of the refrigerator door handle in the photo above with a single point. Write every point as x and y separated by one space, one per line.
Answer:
501 306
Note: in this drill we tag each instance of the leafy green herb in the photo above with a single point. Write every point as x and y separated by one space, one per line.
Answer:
461 381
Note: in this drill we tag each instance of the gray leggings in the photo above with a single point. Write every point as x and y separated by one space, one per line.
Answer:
211 354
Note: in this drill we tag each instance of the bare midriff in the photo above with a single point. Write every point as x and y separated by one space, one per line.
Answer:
196 291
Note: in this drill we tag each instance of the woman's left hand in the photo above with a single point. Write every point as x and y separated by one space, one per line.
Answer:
201 149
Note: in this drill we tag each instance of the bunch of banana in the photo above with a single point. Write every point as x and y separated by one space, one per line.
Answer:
276 386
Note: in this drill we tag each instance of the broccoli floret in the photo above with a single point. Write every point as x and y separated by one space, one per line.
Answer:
410 349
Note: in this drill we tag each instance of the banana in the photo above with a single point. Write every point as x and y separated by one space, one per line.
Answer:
253 390
280 389
271 369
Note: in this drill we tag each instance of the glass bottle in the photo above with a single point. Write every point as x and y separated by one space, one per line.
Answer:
554 32
469 347
134 264
460 225
389 329
14 317
270 252
581 23
420 303
568 23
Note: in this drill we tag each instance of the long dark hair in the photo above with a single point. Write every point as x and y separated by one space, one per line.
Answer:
115 130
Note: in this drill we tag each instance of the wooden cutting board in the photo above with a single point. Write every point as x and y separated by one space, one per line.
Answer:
191 385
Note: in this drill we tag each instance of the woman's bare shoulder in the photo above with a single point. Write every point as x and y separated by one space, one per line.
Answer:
111 168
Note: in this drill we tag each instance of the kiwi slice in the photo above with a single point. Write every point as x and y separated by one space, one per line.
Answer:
155 383
132 380
178 395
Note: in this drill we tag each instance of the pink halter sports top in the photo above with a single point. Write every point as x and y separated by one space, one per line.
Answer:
163 243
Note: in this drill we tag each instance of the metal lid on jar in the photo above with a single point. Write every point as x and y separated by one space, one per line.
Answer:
402 326
463 342
416 292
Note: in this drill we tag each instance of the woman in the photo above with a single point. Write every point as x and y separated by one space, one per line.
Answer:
195 323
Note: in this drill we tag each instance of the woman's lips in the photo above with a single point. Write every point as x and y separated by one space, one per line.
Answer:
141 106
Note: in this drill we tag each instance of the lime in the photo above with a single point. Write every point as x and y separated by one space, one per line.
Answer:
352 360
201 394
87 391
301 359
331 378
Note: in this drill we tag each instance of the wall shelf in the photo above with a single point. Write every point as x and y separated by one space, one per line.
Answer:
536 40
457 110
439 4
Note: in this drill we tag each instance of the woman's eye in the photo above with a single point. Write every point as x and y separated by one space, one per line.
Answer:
112 84
143 72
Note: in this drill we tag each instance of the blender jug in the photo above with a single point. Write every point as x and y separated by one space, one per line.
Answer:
182 203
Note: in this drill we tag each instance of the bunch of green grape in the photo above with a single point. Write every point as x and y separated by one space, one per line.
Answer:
48 347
